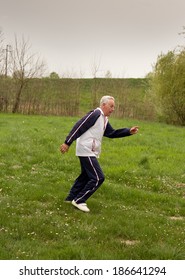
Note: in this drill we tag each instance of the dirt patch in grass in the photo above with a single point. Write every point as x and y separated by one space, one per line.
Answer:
179 218
130 242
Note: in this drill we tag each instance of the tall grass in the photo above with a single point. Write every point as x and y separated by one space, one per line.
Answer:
138 213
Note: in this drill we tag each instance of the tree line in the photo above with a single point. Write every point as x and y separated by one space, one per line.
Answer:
74 97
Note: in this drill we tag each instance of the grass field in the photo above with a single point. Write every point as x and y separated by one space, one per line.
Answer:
138 213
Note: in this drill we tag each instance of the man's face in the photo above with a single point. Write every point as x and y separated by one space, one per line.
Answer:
108 107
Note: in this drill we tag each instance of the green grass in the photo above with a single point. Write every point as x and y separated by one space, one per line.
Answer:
138 213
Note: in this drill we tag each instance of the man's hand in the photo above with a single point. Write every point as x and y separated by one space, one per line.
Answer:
64 148
134 129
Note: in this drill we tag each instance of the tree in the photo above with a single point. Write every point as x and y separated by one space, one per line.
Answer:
108 75
183 32
95 67
168 86
1 53
24 66
54 75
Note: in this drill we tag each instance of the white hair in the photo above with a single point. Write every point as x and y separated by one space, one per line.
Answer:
106 99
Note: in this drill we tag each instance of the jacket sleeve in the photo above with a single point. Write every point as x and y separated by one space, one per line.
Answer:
82 126
110 132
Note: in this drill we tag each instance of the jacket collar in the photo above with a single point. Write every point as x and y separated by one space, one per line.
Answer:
100 110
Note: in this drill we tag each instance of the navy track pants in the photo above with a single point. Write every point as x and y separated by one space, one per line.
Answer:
88 181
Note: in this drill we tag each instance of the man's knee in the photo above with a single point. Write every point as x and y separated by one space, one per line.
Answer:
101 179
97 181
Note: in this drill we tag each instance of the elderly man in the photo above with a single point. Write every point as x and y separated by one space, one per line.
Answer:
88 133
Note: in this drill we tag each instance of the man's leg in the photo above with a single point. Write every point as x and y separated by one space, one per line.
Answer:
78 185
95 178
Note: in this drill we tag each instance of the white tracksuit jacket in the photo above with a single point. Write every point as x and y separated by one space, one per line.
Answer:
89 131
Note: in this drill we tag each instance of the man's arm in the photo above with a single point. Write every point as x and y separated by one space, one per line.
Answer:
110 132
79 128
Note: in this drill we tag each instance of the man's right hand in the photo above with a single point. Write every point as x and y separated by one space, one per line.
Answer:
64 148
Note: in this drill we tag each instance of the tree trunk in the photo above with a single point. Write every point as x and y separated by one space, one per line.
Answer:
17 100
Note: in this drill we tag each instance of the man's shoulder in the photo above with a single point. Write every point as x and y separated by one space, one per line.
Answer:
94 113
97 111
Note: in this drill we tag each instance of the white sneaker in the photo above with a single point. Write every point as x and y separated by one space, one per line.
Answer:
81 206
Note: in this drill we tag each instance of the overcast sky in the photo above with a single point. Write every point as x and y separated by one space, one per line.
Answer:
122 36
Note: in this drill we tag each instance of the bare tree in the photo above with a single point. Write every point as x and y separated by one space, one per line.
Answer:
24 66
108 74
1 52
182 32
95 68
